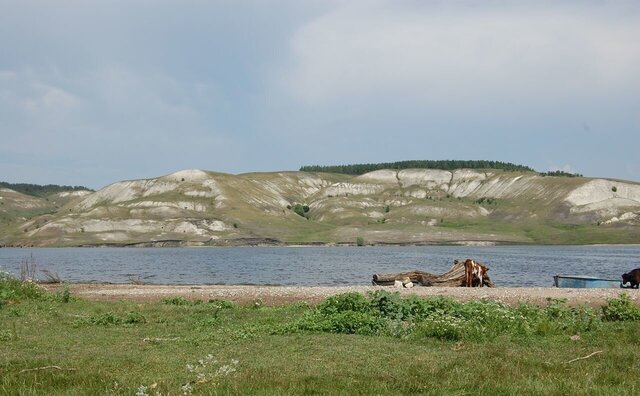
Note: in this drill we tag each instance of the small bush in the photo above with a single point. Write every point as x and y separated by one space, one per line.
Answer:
353 301
222 304
301 210
12 289
620 309
176 300
359 241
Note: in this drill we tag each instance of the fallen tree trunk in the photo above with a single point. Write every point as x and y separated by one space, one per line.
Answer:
452 278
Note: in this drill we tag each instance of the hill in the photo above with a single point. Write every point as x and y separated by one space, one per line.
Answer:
37 190
408 206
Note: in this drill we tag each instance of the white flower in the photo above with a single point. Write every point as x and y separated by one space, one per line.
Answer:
142 391
187 389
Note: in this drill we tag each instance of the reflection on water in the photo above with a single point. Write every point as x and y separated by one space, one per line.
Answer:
509 265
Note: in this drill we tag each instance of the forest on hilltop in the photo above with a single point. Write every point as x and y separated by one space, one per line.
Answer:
37 190
359 169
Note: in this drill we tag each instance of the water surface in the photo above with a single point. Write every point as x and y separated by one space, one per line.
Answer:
321 266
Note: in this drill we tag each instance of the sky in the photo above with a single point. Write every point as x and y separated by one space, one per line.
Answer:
93 92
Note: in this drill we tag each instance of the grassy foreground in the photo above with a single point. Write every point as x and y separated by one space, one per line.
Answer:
349 344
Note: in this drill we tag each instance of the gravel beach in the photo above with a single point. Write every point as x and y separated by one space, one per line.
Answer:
278 295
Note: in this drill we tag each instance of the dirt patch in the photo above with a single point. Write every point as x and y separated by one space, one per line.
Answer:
278 295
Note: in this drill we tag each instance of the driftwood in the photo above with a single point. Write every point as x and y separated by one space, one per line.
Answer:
452 278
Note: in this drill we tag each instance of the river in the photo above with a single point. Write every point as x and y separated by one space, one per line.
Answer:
318 266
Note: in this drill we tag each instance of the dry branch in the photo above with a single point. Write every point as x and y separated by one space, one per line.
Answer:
452 278
583 357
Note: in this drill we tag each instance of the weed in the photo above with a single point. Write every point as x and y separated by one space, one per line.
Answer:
222 304
387 313
14 290
113 319
66 294
5 335
207 370
177 300
620 309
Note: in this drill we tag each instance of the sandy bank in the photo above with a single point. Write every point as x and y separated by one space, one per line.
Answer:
275 295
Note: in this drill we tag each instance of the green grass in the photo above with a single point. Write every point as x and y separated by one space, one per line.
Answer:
220 348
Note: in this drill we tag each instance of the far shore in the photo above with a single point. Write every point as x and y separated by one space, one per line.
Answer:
279 295
312 245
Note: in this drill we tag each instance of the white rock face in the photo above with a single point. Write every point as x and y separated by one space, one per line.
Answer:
126 227
80 193
135 189
500 187
628 216
464 182
203 228
429 178
420 194
600 190
186 205
189 175
353 189
386 176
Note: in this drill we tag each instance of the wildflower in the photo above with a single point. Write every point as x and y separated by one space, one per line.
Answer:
142 391
187 389
225 370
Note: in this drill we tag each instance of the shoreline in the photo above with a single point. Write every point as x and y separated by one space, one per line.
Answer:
281 295
147 245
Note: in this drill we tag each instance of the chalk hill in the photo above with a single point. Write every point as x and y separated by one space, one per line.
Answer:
413 206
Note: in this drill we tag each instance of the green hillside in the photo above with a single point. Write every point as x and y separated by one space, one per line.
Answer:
387 206
37 190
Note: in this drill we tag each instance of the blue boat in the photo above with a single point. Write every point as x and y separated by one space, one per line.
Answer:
585 282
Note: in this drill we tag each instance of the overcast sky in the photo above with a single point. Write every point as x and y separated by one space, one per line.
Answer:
92 92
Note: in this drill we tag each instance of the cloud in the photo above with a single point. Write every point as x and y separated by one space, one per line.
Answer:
49 100
458 52
127 120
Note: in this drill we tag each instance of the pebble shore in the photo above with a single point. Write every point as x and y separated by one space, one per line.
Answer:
278 295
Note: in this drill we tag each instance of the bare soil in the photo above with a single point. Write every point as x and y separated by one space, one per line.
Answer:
278 295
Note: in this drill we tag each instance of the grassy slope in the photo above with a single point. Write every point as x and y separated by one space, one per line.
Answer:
118 359
253 205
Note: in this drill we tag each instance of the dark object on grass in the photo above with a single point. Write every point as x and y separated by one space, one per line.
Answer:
632 277
455 277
